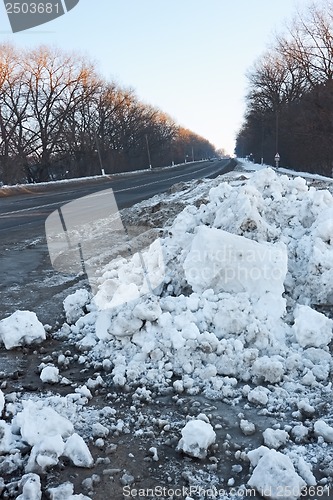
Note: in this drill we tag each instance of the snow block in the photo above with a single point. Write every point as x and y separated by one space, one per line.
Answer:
312 328
227 262
21 328
274 475
197 436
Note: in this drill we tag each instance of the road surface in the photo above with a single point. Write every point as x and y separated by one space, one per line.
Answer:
27 278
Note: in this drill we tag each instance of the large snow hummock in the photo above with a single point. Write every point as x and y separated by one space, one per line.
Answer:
242 275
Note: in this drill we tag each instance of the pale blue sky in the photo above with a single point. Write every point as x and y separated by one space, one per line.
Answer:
188 57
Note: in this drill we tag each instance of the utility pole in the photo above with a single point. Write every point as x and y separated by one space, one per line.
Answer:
148 152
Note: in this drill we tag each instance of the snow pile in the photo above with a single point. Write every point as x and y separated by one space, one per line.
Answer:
225 304
197 436
22 327
239 282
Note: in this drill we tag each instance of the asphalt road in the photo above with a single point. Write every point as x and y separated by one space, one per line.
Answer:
26 210
28 280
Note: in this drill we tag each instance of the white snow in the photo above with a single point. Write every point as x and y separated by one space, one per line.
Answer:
230 263
74 304
31 487
37 422
65 491
197 436
22 327
78 452
307 323
321 428
275 438
225 304
50 374
274 475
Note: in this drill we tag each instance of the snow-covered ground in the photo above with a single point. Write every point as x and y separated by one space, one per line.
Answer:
231 303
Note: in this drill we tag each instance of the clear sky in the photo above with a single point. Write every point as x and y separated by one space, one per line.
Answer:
187 57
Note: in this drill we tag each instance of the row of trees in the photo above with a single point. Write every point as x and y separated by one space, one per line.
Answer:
59 118
290 98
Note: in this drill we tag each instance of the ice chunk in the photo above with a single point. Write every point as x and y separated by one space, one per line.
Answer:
275 438
37 422
74 304
321 428
46 453
6 437
65 491
274 475
312 328
2 401
78 452
21 328
50 375
197 436
247 428
227 262
270 369
31 487
258 396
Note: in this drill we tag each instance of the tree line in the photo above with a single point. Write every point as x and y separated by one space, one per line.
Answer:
60 119
289 104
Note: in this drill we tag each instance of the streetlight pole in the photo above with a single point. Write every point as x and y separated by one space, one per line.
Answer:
99 154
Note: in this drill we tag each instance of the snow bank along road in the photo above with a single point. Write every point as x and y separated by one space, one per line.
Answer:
215 384
24 261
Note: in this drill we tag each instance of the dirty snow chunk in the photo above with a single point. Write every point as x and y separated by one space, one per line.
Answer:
6 437
275 438
2 401
300 433
50 375
305 471
31 487
271 370
247 427
227 262
148 310
46 453
321 428
197 436
258 396
65 491
99 430
274 475
37 422
78 452
124 324
312 328
74 304
21 328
